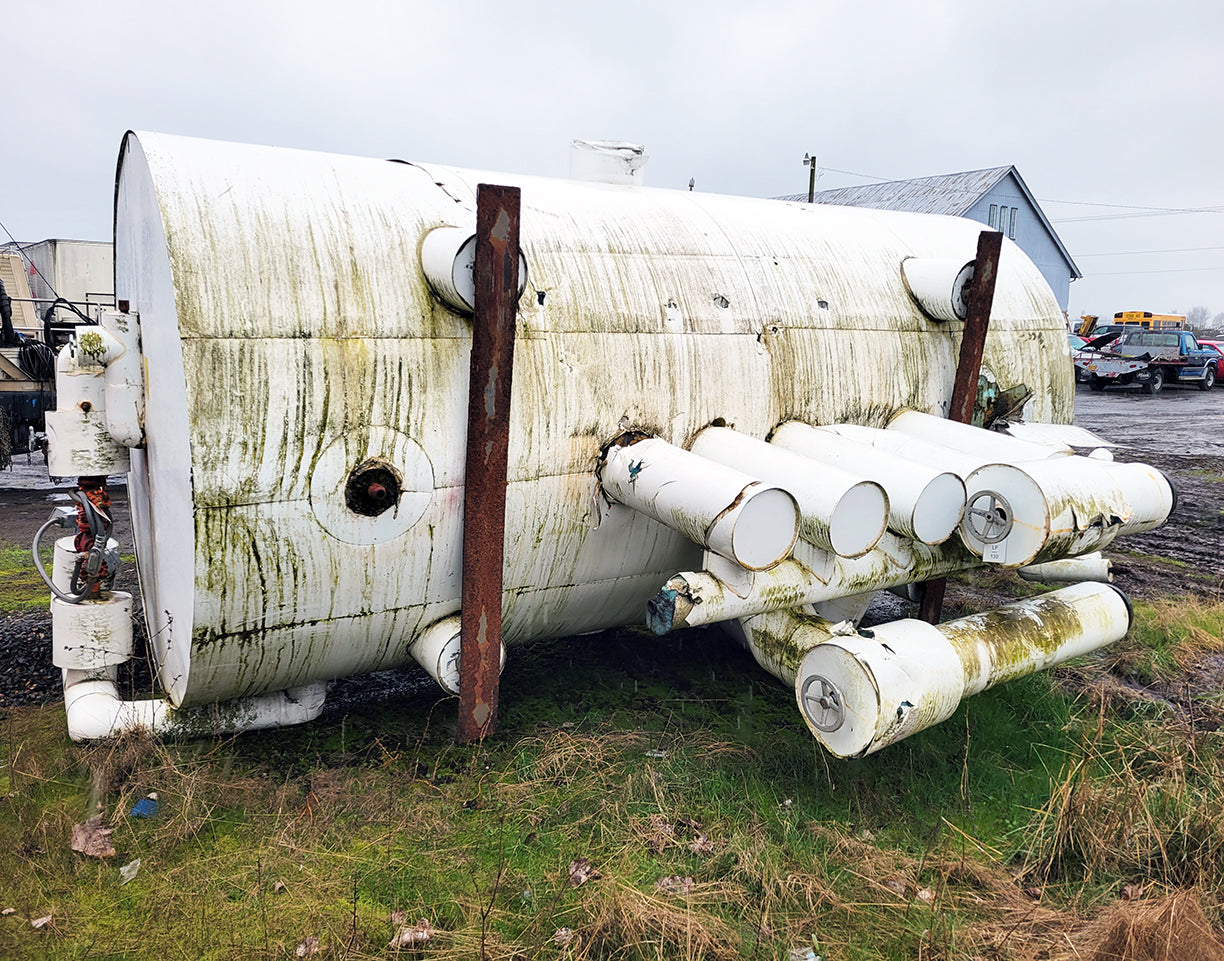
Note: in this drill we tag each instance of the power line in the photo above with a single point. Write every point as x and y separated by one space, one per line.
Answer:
1167 250
1172 270
1093 203
1150 213
852 173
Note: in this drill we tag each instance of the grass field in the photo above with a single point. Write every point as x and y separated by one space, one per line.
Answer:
643 798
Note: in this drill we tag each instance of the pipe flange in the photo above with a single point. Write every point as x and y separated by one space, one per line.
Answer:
988 517
822 703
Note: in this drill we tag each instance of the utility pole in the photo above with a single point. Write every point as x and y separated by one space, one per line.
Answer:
810 161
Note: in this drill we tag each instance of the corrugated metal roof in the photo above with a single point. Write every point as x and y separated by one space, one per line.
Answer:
951 194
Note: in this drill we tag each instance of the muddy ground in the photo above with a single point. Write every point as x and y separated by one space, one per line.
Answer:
1177 431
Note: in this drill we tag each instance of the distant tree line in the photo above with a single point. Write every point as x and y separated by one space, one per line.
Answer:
1199 318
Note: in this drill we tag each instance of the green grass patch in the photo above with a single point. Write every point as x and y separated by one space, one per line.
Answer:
1171 562
1168 638
1209 475
21 588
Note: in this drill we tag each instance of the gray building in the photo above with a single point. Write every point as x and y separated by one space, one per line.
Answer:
997 197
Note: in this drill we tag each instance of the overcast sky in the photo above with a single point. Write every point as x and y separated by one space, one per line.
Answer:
1116 104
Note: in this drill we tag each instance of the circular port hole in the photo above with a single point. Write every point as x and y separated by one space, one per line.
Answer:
373 488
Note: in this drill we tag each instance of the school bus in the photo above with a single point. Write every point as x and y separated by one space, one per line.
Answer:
1145 318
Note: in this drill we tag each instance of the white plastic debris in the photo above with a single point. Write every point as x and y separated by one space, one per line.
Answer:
418 934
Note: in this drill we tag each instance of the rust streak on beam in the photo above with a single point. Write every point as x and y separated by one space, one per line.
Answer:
488 441
968 370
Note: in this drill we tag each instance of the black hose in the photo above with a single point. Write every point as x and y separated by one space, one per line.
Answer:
37 361
60 302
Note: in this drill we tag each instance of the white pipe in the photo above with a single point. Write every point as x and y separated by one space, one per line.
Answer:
779 641
64 560
1060 505
692 598
1065 506
95 710
607 162
124 379
1131 497
925 503
985 477
939 286
448 261
1089 567
1060 436
987 444
912 449
722 509
94 633
437 649
840 511
861 692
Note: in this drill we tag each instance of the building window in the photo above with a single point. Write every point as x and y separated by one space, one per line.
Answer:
994 216
1011 230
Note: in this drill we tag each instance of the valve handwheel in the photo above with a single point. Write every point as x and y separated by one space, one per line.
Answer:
822 703
988 517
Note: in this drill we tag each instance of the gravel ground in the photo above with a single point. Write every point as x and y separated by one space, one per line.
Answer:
1167 431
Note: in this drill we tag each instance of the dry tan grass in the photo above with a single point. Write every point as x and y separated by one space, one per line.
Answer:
1147 808
623 919
1168 928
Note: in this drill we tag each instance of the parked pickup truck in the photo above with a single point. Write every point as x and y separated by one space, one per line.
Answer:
1150 358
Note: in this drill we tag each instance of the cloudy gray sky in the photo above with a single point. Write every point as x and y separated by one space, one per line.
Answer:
1104 107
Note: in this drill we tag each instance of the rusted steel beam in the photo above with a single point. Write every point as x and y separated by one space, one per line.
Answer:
488 441
968 369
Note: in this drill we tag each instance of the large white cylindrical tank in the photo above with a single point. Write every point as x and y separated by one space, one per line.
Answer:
290 336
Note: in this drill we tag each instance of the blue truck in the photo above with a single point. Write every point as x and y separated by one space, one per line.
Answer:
1148 358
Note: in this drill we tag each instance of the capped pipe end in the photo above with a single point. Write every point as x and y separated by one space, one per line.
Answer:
448 261
1130 608
859 520
838 699
939 508
939 287
760 531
